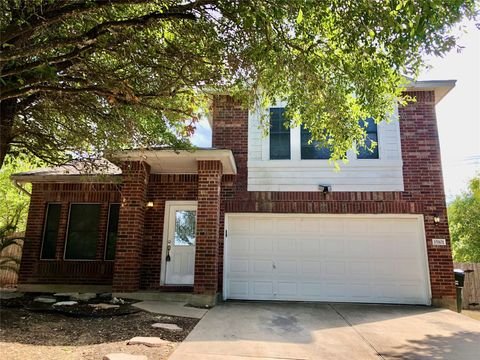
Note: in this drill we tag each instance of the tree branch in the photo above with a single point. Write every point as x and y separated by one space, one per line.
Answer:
92 35
58 14
55 60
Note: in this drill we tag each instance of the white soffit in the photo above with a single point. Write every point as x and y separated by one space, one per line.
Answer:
440 87
180 161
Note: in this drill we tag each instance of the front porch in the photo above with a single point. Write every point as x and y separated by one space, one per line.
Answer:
151 184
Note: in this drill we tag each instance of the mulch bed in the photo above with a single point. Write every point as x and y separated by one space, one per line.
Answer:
115 323
31 330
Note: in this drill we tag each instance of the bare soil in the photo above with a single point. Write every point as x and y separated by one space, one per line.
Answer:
27 334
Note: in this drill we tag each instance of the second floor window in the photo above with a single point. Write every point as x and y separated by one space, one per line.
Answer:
364 152
279 135
312 149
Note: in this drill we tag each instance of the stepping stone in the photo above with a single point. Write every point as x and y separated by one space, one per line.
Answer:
45 299
65 303
122 356
147 341
103 306
83 296
66 294
166 326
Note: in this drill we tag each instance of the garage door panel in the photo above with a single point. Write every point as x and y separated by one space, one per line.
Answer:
317 258
263 226
239 266
286 267
262 266
356 226
287 289
240 226
333 247
334 268
286 245
240 244
262 288
311 267
239 289
263 244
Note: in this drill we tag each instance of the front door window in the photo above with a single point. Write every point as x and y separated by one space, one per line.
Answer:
185 221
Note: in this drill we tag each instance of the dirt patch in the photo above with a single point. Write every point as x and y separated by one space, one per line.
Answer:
25 334
474 314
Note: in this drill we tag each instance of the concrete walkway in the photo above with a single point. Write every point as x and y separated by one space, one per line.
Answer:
262 330
172 308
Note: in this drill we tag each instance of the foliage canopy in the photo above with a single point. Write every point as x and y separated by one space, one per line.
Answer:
84 76
464 223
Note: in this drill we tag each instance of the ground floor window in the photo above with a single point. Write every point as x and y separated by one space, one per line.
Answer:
111 240
83 231
50 232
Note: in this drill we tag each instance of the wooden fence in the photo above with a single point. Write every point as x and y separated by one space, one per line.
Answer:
9 277
471 288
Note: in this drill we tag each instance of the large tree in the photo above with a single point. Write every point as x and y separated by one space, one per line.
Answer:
464 223
81 77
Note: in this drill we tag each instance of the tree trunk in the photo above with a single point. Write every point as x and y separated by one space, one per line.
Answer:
7 115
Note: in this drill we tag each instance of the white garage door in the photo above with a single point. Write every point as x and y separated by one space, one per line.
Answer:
343 258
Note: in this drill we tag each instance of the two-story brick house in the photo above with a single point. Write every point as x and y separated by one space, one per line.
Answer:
254 217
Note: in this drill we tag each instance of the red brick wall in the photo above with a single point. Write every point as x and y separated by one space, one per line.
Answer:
131 224
161 188
424 193
207 234
35 271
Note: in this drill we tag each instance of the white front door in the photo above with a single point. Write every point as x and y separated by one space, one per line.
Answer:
179 254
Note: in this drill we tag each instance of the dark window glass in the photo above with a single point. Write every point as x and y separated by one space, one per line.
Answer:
372 135
83 231
50 234
112 231
279 135
314 150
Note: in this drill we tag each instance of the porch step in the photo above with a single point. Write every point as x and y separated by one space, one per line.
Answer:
155 295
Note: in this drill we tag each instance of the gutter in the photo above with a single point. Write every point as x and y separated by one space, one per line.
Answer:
19 187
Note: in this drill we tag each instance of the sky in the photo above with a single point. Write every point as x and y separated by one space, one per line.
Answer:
458 114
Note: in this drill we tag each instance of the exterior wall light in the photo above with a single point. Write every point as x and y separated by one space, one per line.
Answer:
149 204
324 188
436 219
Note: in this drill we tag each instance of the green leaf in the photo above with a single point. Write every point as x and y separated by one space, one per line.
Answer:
300 16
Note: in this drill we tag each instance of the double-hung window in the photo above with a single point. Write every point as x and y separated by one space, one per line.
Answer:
279 135
312 149
364 152
83 232
111 240
50 232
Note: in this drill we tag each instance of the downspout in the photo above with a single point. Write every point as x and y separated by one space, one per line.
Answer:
19 187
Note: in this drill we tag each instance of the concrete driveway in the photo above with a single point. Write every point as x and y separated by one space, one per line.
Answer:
266 330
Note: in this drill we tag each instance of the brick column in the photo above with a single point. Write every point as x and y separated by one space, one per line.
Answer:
423 181
207 236
126 275
33 235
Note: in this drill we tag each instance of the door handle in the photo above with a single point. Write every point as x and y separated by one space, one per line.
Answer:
273 265
167 258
